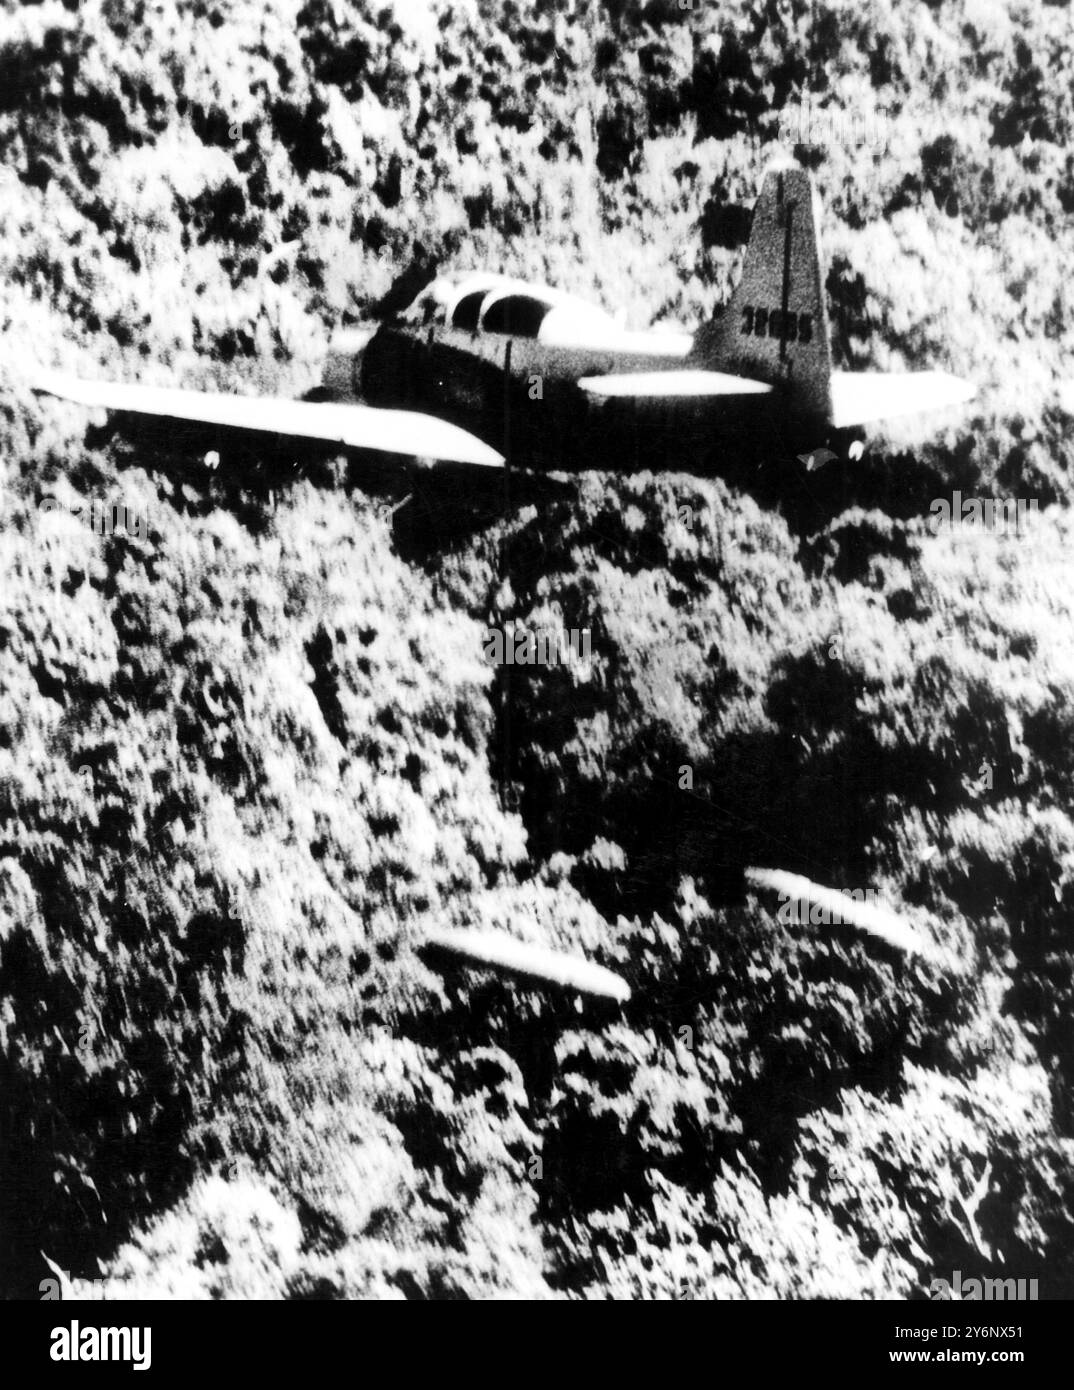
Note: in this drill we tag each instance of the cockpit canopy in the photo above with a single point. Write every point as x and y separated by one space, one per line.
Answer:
497 304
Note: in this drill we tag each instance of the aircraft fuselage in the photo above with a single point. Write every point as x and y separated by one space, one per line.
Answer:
523 397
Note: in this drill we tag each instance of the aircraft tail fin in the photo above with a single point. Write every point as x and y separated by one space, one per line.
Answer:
775 325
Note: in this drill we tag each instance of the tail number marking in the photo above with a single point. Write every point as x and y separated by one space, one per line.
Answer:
760 323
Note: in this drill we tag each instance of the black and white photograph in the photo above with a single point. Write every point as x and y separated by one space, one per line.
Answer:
537 659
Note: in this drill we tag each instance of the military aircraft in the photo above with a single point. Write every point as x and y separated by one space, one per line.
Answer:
487 368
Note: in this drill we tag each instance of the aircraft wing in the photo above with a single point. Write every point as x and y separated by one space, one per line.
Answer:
352 426
858 397
672 385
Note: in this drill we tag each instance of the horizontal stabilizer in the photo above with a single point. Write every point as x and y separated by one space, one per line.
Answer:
873 918
859 397
351 426
494 948
673 385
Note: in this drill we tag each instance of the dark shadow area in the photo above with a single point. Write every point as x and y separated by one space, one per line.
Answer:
99 1115
433 507
241 470
452 503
